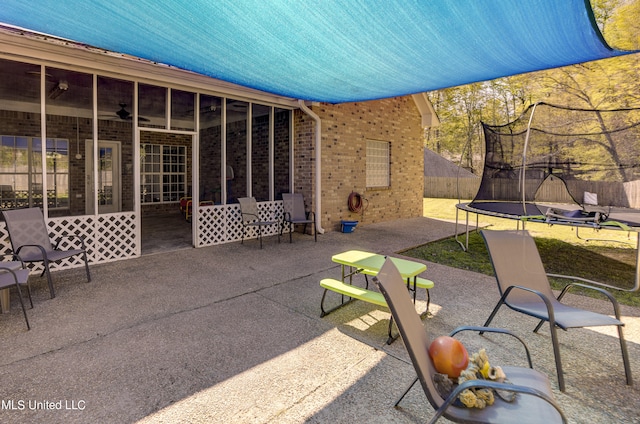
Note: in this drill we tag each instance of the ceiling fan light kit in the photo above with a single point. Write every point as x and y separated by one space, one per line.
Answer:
57 90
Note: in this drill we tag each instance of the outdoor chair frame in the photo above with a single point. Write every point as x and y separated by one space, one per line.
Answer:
295 214
31 243
14 274
251 218
534 402
524 287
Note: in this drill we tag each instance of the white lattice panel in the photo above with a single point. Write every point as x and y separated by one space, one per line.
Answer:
6 244
107 238
116 237
211 225
222 223
113 237
69 230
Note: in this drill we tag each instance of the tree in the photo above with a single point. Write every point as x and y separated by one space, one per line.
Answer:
607 84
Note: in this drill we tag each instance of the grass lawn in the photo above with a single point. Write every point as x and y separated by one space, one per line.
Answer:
610 260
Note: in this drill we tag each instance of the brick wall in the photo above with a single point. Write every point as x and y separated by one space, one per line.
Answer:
345 131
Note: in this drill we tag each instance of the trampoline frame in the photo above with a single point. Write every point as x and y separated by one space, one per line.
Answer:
579 223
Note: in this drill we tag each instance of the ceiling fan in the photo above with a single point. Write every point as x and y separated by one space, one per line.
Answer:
125 115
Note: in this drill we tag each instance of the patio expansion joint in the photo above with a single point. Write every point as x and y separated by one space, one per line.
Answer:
133 325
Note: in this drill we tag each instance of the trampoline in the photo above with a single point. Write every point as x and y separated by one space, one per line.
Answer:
577 167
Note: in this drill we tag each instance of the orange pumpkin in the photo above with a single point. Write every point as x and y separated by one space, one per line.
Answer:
449 356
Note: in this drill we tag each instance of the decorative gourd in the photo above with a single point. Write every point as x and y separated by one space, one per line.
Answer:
449 356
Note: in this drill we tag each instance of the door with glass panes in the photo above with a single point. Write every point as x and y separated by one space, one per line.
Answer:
109 188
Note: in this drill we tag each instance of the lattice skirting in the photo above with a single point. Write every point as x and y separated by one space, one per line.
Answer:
220 224
107 238
112 237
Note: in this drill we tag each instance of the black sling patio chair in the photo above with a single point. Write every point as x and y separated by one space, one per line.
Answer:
295 214
524 287
251 218
534 402
30 242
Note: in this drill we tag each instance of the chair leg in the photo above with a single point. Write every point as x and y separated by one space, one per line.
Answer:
86 267
391 337
556 354
244 228
29 293
260 235
24 310
625 357
493 314
49 279
395 405
535 330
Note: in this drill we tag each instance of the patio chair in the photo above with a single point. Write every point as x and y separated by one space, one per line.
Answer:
14 274
251 218
524 287
30 242
295 214
534 402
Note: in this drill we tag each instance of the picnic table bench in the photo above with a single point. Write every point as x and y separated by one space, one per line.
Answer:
365 263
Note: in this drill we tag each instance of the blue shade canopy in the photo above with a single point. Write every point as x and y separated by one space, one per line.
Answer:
330 50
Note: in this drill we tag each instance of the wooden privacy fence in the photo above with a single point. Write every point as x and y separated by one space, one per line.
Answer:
553 190
447 187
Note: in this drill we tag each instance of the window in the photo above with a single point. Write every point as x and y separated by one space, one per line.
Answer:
378 163
163 173
21 172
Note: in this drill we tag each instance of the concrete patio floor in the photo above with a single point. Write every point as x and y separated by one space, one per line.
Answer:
233 334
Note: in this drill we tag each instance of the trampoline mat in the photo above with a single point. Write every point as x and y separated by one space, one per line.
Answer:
627 216
507 208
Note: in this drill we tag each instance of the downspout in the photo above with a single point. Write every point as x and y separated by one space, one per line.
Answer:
318 196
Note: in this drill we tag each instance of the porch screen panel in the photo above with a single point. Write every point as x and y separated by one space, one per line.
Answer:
183 110
69 106
114 126
152 106
19 128
236 149
260 152
210 148
282 155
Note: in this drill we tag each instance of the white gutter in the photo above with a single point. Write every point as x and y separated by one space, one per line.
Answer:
318 190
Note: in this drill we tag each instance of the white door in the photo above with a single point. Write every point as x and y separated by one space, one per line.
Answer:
109 189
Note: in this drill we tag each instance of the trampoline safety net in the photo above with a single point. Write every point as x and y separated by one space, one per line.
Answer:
562 155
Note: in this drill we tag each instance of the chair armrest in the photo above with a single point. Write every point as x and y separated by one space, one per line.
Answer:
479 384
14 256
591 283
17 252
600 290
494 330
70 237
545 299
